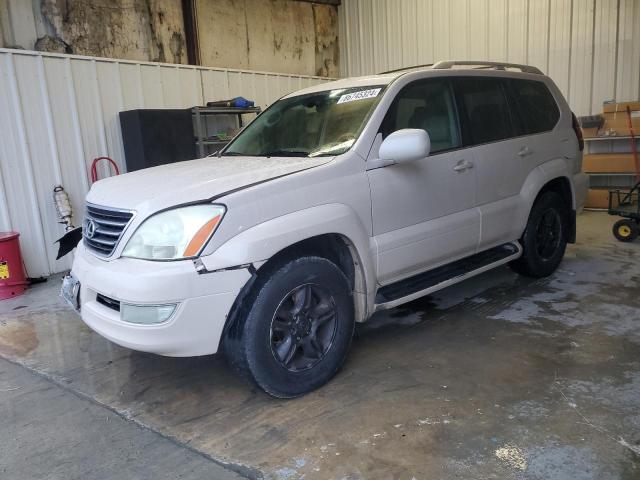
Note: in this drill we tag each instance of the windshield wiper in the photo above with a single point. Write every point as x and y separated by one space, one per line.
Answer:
286 153
232 154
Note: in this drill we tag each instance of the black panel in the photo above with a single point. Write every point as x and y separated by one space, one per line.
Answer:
433 277
157 137
108 302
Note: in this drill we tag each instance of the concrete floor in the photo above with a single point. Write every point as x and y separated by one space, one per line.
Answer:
49 431
498 377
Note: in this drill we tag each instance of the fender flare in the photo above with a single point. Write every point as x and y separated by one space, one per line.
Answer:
536 181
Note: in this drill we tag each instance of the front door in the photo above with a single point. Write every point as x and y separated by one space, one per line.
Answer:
424 211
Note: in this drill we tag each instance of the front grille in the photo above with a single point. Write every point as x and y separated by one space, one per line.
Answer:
103 227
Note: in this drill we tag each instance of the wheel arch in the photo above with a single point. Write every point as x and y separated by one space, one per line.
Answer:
562 186
340 250
332 231
335 247
551 176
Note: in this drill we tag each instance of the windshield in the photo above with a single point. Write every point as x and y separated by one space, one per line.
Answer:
317 124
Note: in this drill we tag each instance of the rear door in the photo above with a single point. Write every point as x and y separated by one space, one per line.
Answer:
506 148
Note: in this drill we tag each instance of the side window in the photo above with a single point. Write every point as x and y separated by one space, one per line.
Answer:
428 105
538 109
485 110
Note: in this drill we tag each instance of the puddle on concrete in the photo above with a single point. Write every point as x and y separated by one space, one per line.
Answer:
17 338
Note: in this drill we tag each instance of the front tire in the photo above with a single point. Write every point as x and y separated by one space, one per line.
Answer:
545 237
297 331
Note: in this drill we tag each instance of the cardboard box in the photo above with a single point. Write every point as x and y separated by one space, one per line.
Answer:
620 107
609 163
597 198
589 132
619 123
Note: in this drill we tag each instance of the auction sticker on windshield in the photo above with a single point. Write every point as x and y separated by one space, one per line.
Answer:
361 95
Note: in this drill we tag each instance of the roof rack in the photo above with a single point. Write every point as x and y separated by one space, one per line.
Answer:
406 68
483 64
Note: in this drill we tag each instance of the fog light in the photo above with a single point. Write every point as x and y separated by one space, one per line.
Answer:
146 314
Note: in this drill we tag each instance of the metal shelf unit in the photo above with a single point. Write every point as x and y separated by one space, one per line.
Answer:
609 137
610 145
204 142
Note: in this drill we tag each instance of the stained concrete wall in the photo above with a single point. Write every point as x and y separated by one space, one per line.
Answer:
274 35
285 36
128 29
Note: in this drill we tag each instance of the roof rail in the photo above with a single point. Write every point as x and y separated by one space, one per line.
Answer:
483 64
406 68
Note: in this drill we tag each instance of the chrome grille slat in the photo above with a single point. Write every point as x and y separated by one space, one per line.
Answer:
109 243
111 233
108 226
110 223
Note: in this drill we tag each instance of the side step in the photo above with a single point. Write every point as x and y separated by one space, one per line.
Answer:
428 282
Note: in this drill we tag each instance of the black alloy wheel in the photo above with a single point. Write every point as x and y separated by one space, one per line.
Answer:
303 327
294 327
545 236
548 234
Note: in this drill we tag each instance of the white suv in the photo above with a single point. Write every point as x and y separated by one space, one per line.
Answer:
337 201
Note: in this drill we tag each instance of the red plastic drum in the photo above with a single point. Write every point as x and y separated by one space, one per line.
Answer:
13 280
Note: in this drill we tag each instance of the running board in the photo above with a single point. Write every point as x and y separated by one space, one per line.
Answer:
431 281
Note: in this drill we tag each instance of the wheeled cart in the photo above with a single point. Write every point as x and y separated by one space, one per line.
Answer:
624 203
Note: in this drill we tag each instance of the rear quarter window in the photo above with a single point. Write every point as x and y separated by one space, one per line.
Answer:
537 107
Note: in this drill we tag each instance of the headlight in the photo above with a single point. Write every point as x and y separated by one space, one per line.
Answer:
175 234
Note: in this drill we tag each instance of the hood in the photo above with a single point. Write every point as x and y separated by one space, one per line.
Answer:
161 187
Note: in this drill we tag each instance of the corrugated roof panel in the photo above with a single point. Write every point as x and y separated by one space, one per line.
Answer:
152 86
538 35
604 58
517 25
569 40
111 102
628 79
579 94
478 36
498 25
17 172
131 84
458 29
560 43
41 169
441 31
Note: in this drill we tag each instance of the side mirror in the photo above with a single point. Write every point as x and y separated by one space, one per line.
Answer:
405 145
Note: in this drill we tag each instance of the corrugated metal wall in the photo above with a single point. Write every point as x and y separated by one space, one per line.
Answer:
58 112
591 48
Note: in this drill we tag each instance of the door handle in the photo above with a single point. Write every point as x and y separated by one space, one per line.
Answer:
524 151
462 165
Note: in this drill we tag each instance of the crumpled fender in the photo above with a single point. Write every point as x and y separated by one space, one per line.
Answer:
261 242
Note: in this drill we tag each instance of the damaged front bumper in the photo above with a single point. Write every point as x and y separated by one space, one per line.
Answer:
127 301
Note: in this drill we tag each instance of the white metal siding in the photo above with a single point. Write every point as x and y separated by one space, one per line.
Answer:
591 48
59 112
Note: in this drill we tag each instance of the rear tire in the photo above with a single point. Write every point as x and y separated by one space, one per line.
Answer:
297 328
626 230
545 237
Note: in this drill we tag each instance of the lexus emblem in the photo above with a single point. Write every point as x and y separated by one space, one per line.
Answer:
90 228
